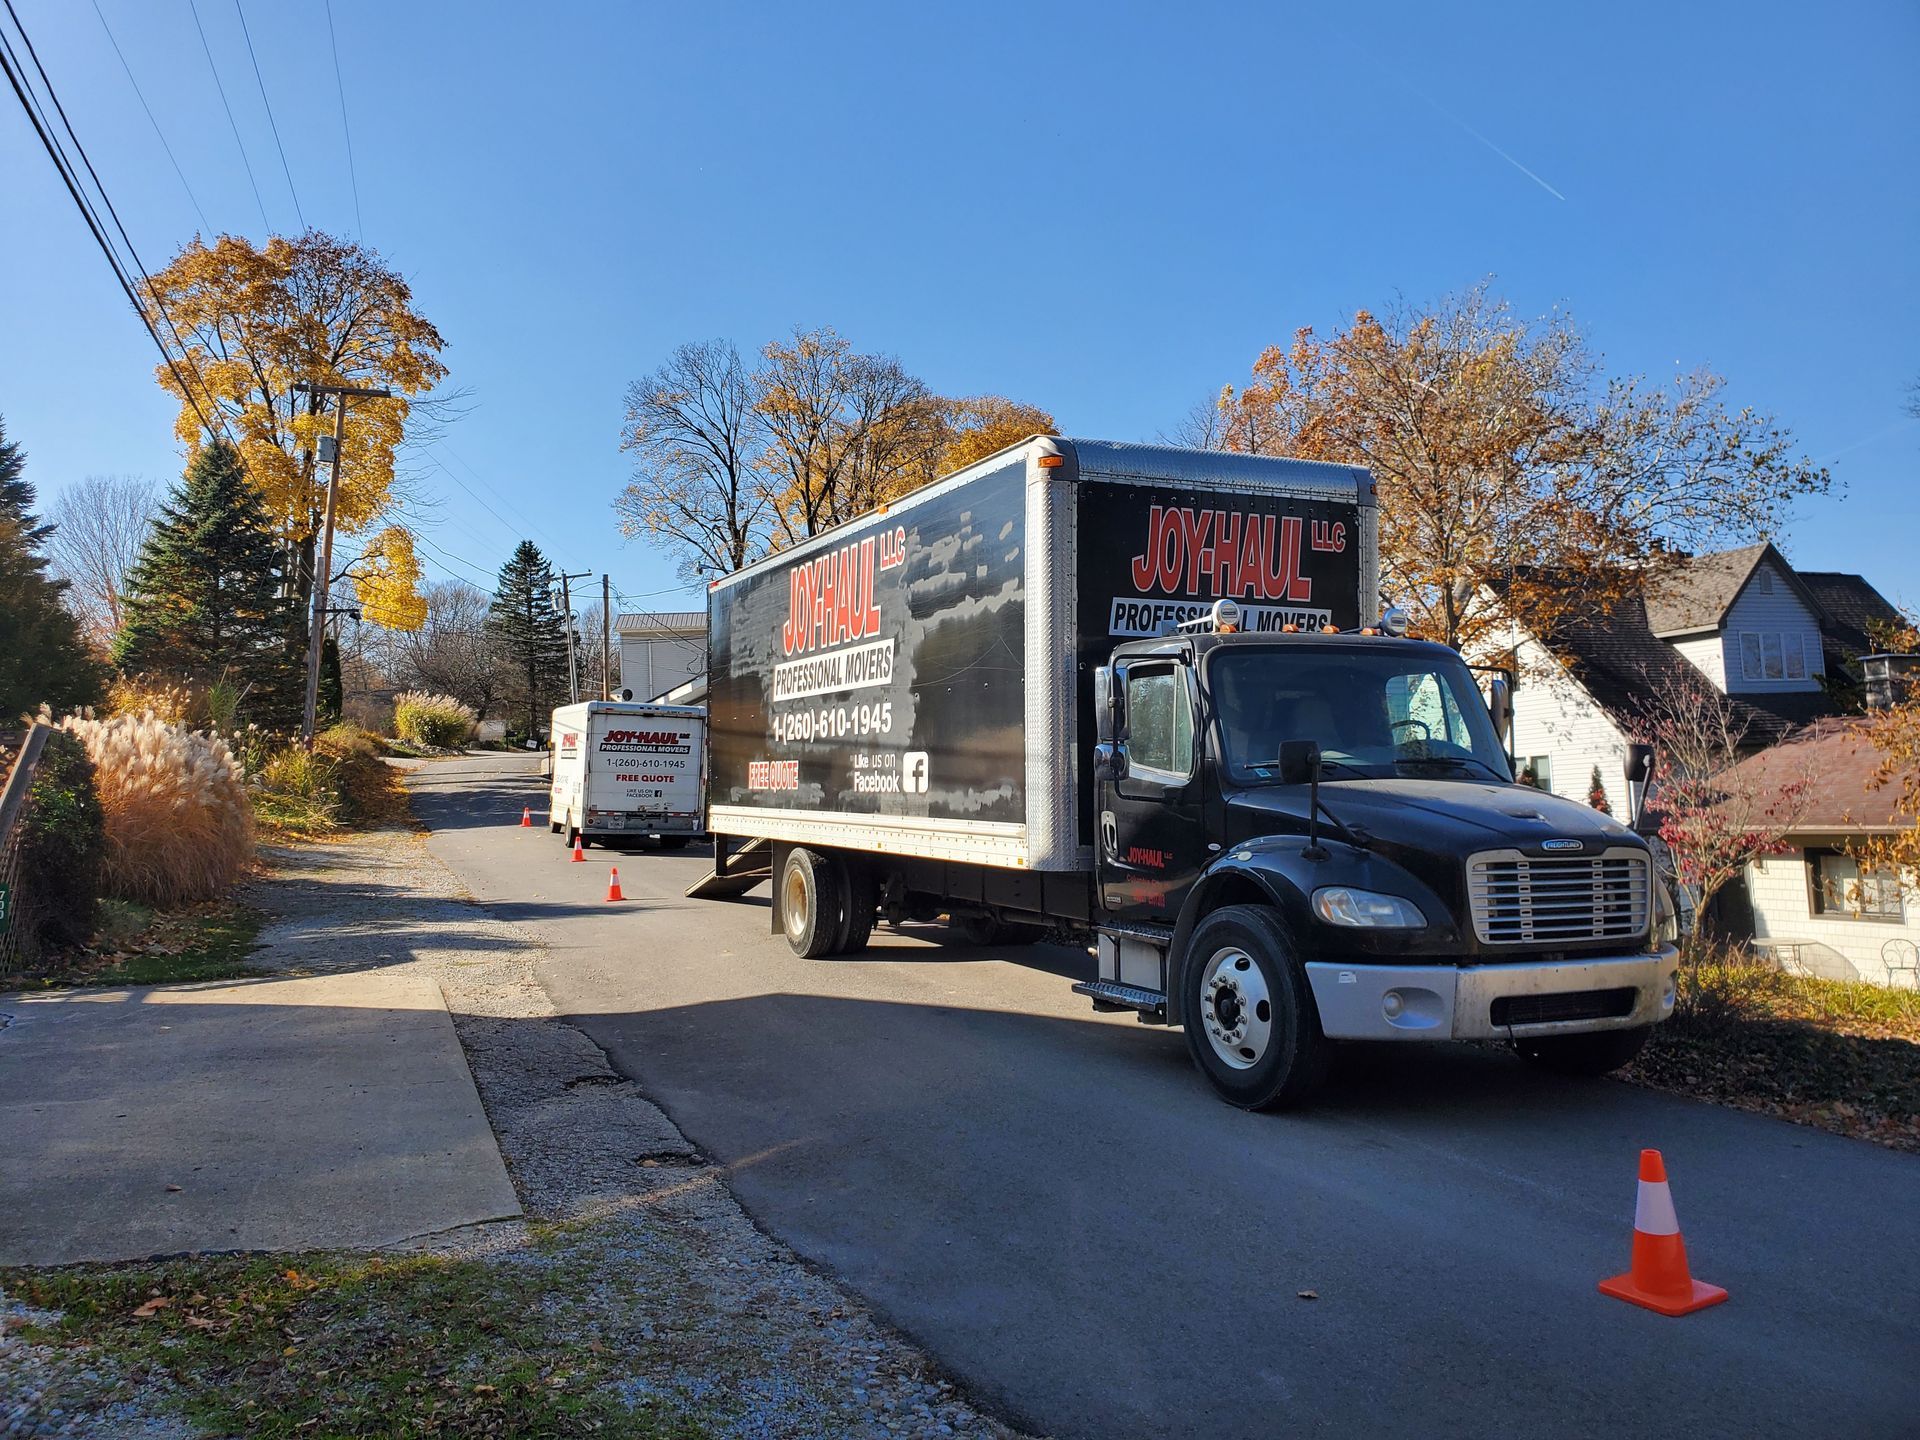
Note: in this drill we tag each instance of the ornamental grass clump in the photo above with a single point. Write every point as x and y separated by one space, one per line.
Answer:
438 720
179 827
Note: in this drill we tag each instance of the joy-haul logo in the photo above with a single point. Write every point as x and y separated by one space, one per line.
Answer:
1194 556
830 600
646 742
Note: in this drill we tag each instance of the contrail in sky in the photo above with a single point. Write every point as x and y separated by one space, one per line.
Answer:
1491 146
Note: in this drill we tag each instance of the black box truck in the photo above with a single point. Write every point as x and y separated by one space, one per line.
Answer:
1146 698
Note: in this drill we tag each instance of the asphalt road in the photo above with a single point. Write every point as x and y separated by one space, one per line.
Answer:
1054 1204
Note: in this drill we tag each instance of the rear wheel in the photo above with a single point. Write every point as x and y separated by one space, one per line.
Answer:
1248 1011
863 900
812 902
1594 1054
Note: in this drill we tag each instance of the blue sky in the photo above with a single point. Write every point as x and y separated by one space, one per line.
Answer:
1105 210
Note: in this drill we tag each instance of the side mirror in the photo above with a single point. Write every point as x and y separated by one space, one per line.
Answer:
1500 707
1109 762
1639 768
1299 761
1103 705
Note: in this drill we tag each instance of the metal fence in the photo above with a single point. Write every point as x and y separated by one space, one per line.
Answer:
19 929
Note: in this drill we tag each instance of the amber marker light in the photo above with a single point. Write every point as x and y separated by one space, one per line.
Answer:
1052 462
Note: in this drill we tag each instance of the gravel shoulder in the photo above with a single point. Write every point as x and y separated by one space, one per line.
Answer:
655 1291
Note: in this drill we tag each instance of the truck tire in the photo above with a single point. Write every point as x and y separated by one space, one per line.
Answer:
863 901
1599 1053
812 900
1251 1023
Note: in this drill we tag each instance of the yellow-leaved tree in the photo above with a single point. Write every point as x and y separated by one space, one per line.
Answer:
386 577
243 323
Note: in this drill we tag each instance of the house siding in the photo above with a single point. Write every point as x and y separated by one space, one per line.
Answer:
1809 944
1708 655
1553 715
654 661
1781 612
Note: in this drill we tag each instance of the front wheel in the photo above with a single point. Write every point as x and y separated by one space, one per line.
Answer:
1597 1053
1251 1024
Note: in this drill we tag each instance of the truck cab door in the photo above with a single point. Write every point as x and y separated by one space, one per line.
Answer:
1152 840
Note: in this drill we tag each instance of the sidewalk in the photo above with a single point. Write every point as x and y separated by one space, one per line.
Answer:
272 1114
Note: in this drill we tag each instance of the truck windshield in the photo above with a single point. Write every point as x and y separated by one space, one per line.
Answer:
1373 716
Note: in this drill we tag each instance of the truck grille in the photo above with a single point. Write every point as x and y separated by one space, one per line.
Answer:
1534 900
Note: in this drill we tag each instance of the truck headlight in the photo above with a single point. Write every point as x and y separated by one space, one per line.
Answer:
1366 909
1666 916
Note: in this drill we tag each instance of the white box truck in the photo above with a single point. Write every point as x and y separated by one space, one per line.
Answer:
625 769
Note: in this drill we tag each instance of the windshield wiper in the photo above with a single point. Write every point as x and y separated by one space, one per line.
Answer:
1457 761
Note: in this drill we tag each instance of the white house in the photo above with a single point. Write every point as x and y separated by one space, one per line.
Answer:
1814 907
660 652
1777 643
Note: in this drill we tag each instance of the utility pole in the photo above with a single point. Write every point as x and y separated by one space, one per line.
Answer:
323 574
606 638
566 606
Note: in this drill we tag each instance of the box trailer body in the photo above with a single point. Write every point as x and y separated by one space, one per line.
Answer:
919 681
628 769
1148 698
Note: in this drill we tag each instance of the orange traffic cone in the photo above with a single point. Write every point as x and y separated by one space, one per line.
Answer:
579 848
613 885
526 818
1659 1278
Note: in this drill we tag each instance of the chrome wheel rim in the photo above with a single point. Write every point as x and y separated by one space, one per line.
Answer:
794 903
1236 1008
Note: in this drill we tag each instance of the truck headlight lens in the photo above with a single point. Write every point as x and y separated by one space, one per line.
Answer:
1666 917
1366 909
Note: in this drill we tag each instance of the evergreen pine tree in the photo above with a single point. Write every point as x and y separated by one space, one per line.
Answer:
206 598
43 659
1597 793
532 632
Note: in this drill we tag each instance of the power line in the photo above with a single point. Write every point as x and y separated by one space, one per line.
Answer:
523 520
272 125
232 124
205 224
36 115
340 89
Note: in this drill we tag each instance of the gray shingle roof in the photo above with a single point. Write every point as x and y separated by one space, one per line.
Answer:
1695 594
1851 605
1614 653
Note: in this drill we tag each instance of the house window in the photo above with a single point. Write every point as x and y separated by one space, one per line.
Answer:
1766 582
1537 771
1842 891
1773 655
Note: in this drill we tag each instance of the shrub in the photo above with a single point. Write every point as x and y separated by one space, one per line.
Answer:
370 789
298 793
64 845
167 698
438 720
177 820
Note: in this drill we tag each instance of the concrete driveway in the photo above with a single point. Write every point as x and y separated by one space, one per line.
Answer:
1053 1203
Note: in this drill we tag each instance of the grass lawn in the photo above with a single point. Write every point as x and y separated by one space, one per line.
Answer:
1839 1055
352 1345
139 947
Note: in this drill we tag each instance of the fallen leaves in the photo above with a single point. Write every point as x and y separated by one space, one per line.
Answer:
152 1307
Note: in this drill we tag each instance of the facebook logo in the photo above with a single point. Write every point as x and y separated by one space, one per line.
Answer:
913 772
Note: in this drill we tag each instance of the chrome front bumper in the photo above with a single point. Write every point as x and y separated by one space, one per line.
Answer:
1432 1002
